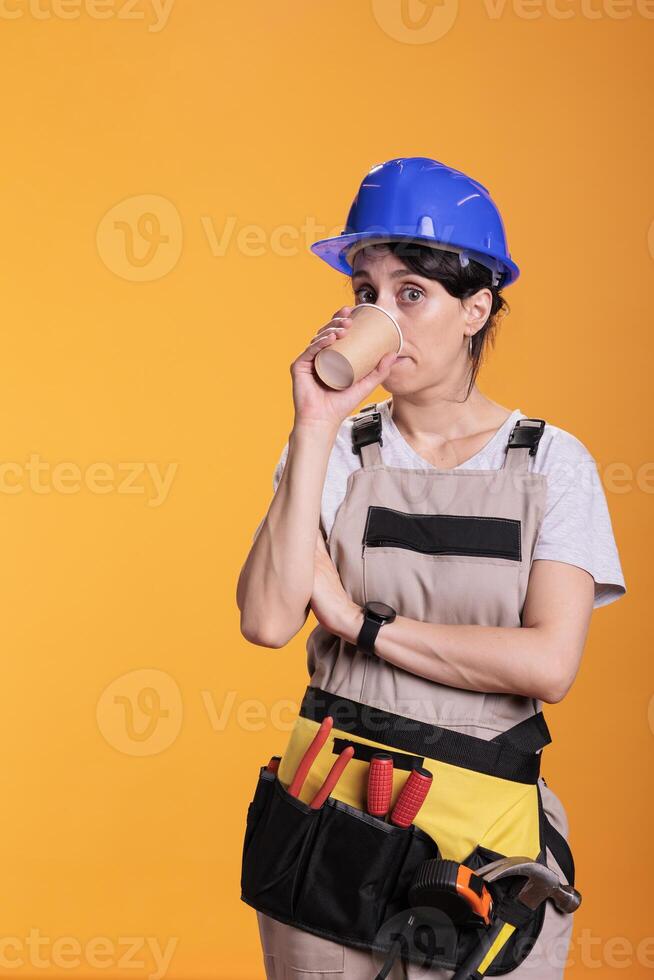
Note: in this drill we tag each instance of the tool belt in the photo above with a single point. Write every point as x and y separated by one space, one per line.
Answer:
343 874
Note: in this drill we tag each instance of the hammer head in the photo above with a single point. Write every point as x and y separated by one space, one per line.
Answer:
542 882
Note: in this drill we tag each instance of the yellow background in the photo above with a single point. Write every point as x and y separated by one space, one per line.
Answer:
124 806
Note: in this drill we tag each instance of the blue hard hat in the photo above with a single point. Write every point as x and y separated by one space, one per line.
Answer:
418 199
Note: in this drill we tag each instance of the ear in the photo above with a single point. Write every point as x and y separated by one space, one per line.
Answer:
476 308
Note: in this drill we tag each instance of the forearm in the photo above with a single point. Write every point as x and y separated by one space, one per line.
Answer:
511 660
276 581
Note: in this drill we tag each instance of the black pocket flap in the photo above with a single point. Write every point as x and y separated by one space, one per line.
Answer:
277 845
258 805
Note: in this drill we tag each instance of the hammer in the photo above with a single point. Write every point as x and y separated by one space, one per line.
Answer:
542 883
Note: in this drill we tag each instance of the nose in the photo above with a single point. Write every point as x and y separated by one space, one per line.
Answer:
388 303
390 306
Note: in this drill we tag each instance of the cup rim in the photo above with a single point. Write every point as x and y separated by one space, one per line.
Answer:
389 315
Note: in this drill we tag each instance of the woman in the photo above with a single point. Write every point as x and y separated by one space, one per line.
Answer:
486 537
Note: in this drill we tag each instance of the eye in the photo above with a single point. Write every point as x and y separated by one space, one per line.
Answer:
413 289
363 289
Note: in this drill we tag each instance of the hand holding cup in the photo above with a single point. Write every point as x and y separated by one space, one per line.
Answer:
317 404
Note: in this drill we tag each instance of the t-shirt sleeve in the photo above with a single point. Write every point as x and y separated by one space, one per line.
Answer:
277 475
576 526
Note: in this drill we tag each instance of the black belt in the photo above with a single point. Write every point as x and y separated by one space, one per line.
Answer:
510 755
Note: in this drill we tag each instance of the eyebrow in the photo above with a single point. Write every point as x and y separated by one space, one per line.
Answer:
398 272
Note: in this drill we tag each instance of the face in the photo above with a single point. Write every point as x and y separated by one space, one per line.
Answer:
435 326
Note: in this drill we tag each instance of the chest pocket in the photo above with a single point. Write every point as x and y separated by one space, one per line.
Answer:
444 568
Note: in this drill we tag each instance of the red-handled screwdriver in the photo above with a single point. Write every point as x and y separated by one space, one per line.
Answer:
411 797
309 756
332 778
380 784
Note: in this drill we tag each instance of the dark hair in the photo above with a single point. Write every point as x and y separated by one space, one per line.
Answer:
461 282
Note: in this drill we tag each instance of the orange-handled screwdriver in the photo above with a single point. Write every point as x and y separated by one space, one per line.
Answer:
332 778
380 784
411 797
310 755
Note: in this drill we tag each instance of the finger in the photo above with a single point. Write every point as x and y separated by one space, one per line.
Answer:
323 341
334 326
337 321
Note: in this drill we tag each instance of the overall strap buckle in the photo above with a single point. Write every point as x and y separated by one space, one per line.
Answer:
525 435
366 428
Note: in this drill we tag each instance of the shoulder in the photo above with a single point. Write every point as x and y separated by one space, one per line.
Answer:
560 452
576 526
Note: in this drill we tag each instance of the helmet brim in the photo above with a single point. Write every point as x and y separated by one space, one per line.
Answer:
334 252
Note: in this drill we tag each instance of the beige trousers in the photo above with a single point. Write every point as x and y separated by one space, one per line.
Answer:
291 954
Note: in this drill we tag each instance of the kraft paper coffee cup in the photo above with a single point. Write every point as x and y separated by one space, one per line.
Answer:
373 333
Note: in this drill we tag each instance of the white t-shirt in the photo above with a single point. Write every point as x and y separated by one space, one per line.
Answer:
576 527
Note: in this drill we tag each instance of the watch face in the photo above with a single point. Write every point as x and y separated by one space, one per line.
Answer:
380 609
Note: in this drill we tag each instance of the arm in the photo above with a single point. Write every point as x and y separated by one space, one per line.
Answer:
275 583
540 659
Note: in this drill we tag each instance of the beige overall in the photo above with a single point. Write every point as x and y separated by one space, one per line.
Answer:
443 546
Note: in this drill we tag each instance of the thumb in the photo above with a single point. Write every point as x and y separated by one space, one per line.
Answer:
379 373
386 363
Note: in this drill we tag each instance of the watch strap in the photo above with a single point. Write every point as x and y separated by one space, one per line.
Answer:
368 634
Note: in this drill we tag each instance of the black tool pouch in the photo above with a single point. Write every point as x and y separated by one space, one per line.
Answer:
343 874
337 872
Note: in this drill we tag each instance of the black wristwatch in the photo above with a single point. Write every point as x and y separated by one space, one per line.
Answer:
375 614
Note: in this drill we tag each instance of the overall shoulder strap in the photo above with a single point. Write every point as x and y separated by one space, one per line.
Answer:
523 443
367 435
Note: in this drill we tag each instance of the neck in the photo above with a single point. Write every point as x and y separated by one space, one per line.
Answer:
421 415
